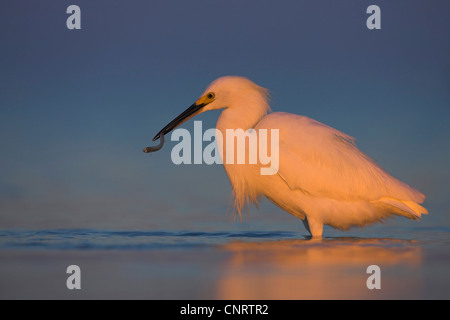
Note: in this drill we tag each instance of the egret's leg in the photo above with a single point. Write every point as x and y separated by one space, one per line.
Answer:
314 227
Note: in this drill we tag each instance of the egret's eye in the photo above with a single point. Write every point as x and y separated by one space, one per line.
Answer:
210 95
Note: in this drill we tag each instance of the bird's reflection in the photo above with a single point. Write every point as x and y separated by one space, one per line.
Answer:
323 269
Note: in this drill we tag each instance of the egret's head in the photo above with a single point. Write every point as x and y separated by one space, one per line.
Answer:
231 91
225 92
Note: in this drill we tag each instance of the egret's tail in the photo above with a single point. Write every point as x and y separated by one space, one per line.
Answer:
407 208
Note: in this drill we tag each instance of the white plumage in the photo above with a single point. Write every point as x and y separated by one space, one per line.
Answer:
323 178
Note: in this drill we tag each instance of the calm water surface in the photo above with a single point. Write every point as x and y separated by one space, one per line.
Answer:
414 264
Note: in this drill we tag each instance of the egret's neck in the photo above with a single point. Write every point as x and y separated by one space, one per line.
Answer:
240 175
245 117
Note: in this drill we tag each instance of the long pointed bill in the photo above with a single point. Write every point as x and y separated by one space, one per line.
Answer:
186 115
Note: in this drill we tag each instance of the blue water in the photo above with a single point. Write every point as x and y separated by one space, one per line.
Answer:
250 264
92 239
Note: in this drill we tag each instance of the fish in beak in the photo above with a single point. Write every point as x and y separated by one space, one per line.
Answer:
190 112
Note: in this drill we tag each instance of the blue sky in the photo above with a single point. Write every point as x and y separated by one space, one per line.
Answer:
78 106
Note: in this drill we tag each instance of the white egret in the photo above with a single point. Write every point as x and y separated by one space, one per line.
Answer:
323 178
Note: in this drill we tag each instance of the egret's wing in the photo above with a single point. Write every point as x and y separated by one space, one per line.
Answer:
325 162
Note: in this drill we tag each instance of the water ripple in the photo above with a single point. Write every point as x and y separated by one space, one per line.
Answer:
92 239
95 239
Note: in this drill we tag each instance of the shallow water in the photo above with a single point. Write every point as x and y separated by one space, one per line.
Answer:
414 264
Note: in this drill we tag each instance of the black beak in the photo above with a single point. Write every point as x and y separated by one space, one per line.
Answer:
186 115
